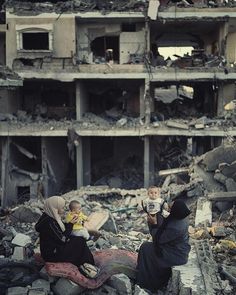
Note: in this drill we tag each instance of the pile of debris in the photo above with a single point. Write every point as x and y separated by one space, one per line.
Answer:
43 6
123 226
6 73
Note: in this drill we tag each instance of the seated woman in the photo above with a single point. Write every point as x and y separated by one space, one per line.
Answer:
56 243
170 247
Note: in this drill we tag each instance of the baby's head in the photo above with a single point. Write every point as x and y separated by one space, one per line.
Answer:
154 192
74 206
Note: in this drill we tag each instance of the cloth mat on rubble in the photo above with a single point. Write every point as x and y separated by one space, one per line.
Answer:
110 262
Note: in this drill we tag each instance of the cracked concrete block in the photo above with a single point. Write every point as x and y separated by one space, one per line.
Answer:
203 213
67 287
21 240
230 185
19 253
17 291
37 292
221 154
42 284
187 279
121 283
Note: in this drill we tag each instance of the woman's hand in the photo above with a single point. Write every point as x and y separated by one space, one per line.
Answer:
152 219
74 219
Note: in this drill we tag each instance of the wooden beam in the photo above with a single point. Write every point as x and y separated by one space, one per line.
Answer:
222 196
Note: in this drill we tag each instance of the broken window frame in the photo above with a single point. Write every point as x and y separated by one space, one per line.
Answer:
20 30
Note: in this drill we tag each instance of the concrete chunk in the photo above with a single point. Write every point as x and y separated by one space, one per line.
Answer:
21 240
17 291
19 253
41 284
203 213
178 125
97 220
139 291
67 287
121 283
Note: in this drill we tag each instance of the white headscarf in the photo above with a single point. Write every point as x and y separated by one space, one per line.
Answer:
52 206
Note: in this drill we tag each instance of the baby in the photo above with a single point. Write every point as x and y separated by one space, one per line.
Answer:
78 228
154 203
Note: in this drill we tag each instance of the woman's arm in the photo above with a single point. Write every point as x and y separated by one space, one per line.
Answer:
57 234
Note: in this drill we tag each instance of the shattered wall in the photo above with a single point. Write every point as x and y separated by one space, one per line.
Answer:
9 101
129 42
62 34
21 168
57 164
231 48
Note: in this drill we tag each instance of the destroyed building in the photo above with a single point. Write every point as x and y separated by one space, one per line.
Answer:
87 100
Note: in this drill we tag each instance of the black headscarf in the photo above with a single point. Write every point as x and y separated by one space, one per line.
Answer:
179 210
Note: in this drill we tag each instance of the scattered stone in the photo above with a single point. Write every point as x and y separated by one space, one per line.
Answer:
67 287
121 283
19 253
110 225
41 284
17 291
26 214
21 240
139 291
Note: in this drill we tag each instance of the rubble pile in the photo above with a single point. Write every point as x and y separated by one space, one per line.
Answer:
40 6
6 73
196 4
126 228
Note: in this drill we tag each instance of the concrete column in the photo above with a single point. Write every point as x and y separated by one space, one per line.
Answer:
223 32
4 176
147 102
141 99
79 164
220 100
226 93
44 165
149 176
87 160
83 162
81 99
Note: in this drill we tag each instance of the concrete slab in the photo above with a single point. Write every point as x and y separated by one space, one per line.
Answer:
187 279
203 215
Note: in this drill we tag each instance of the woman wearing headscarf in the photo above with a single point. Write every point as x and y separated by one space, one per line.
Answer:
170 247
56 244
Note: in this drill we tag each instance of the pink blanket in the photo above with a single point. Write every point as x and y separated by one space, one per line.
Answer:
110 262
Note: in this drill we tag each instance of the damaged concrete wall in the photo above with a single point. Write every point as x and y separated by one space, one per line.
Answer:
130 42
19 182
9 101
81 99
226 93
63 36
57 163
231 48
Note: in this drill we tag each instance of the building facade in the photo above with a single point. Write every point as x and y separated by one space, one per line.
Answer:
102 100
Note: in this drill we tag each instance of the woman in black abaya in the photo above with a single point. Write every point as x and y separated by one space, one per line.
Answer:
170 247
56 244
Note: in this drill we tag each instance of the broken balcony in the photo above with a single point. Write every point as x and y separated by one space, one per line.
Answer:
196 6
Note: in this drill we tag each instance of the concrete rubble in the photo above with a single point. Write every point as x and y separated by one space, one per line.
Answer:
212 235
